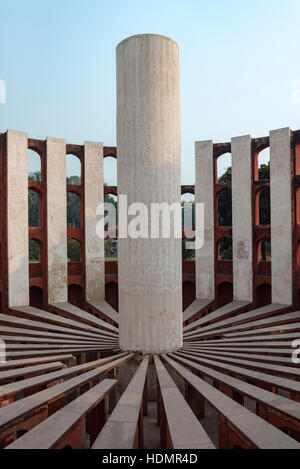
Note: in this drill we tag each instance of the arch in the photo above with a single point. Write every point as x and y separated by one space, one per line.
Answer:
33 208
225 249
73 167
224 293
264 250
75 295
224 169
263 295
262 165
111 295
34 251
188 294
34 166
74 250
73 210
110 171
36 297
224 203
264 204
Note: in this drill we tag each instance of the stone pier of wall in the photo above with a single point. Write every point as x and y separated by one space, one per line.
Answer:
204 193
281 215
57 221
148 133
93 197
17 218
242 219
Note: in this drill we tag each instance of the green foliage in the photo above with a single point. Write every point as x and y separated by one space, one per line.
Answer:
225 249
73 210
74 250
111 248
226 177
225 208
33 209
34 251
187 254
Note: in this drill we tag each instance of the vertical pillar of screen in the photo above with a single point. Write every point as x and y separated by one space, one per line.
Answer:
281 215
57 221
242 219
94 244
17 219
204 194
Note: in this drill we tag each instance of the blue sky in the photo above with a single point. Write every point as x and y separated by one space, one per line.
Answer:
238 62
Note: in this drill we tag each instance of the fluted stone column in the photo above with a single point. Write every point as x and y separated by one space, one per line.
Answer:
148 130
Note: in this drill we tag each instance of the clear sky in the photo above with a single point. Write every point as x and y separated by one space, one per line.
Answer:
239 60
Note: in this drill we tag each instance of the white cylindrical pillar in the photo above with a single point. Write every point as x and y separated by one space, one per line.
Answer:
148 134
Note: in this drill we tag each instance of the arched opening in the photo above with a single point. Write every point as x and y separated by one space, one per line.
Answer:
225 208
224 293
262 163
297 160
36 297
111 295
75 295
298 206
74 250
264 250
34 252
224 169
298 254
73 210
34 166
188 250
264 207
73 167
188 294
111 213
110 171
263 295
33 209
225 249
188 213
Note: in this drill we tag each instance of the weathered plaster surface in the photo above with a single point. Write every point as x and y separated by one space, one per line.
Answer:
94 246
281 215
242 219
57 221
204 194
148 122
17 218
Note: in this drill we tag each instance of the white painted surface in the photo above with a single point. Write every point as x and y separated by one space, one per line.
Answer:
57 221
204 193
94 246
17 218
281 215
148 123
242 219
